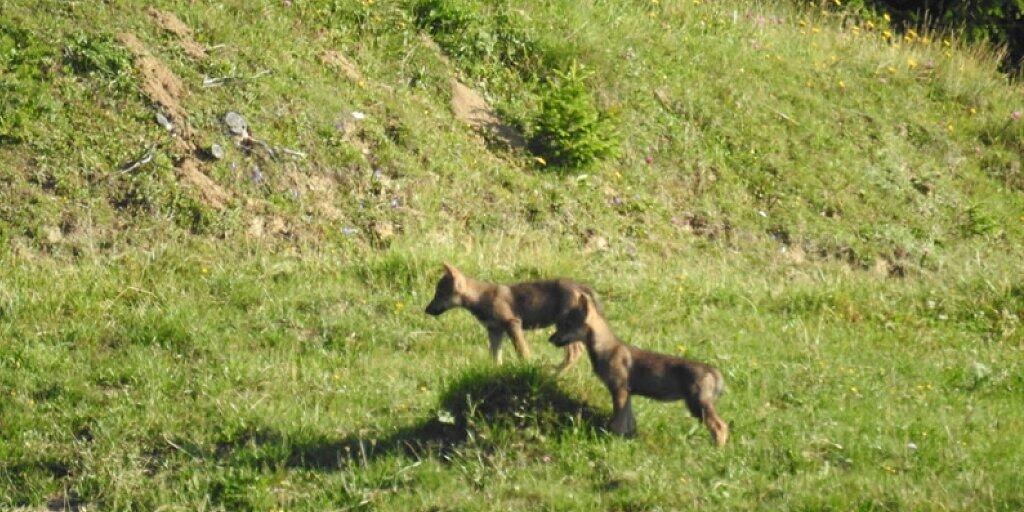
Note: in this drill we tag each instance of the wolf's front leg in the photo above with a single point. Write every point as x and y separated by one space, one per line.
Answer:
622 422
573 351
495 337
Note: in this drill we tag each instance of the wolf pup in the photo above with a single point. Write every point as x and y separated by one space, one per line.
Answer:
509 309
627 370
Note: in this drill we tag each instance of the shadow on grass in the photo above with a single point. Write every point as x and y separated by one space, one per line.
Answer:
478 408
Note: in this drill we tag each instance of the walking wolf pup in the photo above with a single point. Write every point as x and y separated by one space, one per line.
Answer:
628 370
507 310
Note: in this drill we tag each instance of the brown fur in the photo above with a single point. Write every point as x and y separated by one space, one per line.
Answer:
508 310
628 370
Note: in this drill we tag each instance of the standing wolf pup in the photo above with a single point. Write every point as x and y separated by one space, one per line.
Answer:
509 309
628 370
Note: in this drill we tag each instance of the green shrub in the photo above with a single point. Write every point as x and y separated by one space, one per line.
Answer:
443 16
978 222
570 131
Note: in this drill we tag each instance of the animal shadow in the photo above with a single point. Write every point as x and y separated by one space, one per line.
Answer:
522 400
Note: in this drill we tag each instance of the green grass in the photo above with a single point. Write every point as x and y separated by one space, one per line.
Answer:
833 220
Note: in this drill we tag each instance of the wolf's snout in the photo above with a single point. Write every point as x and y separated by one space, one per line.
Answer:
556 340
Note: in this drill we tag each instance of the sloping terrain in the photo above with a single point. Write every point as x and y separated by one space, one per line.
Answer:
221 221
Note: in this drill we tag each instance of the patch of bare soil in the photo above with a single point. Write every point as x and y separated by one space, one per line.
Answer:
704 226
164 88
432 46
159 83
470 107
169 22
335 60
267 226
212 193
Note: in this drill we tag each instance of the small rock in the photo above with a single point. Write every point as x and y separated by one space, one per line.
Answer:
236 123
216 151
349 231
911 445
257 175
164 122
358 116
445 417
980 370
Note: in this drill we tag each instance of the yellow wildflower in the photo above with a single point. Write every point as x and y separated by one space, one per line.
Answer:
886 17
911 62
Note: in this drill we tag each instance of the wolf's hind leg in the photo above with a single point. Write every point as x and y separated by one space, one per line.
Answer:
515 331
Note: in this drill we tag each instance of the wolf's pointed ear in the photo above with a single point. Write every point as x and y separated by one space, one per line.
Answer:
583 302
457 278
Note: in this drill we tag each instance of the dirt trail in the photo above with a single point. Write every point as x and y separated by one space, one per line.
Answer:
334 59
159 83
471 108
165 89
169 22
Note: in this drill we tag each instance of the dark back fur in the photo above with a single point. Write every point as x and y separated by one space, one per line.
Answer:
542 303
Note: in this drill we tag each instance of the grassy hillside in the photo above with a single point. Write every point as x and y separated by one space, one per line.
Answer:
829 212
